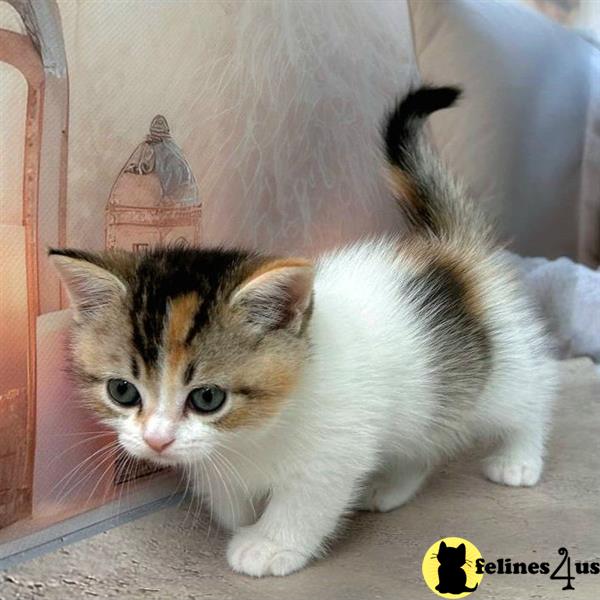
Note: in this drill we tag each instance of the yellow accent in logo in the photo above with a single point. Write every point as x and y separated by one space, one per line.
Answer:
449 568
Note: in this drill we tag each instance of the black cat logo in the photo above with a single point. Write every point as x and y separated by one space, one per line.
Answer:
452 577
448 567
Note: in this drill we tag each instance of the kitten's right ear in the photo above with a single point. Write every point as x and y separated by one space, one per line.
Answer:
90 286
442 546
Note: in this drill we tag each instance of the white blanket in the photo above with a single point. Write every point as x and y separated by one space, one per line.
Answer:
569 296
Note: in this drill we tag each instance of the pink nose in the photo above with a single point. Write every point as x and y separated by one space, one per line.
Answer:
157 442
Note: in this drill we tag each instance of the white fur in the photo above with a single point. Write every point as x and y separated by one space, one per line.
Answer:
366 424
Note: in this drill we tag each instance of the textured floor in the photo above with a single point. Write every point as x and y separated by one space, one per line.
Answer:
162 557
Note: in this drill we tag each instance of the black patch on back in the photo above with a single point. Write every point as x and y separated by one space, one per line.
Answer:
163 274
458 338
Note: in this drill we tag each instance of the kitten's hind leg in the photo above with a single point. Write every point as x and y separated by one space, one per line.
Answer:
518 460
519 418
393 486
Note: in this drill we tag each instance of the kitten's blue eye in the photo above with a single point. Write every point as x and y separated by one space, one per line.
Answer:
206 399
123 392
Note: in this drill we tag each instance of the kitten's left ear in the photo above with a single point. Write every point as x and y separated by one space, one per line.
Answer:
89 285
278 295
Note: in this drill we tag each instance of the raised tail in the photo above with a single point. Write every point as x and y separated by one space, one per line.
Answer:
433 202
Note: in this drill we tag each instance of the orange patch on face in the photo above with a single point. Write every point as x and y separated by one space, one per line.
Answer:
181 317
275 379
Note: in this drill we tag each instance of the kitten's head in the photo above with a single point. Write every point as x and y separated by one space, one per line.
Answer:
179 349
450 556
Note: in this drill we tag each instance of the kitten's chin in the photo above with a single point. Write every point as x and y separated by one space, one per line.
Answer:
163 461
160 460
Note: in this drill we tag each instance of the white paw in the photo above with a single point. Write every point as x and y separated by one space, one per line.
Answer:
251 553
515 473
384 497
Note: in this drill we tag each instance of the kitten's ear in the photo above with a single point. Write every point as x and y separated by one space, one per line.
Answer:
90 286
278 295
462 549
442 546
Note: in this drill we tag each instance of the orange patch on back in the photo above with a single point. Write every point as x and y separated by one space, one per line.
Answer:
402 184
464 265
463 272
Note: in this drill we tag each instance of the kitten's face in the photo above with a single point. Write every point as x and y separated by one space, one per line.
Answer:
179 350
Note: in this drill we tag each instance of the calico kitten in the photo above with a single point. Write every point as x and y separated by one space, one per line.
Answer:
302 390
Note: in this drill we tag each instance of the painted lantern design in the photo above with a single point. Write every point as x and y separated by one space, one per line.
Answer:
155 197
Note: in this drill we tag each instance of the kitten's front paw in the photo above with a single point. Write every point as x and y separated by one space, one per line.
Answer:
513 473
251 553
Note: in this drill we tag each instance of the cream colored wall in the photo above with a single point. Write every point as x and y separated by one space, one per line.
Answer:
275 105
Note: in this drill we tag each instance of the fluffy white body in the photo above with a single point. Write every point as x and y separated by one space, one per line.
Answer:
294 392
367 422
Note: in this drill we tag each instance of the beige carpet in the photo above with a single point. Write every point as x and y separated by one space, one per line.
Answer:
161 557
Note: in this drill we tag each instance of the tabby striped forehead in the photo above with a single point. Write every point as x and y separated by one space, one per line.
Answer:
175 291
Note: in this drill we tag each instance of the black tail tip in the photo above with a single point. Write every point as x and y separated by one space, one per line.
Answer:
428 99
404 119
